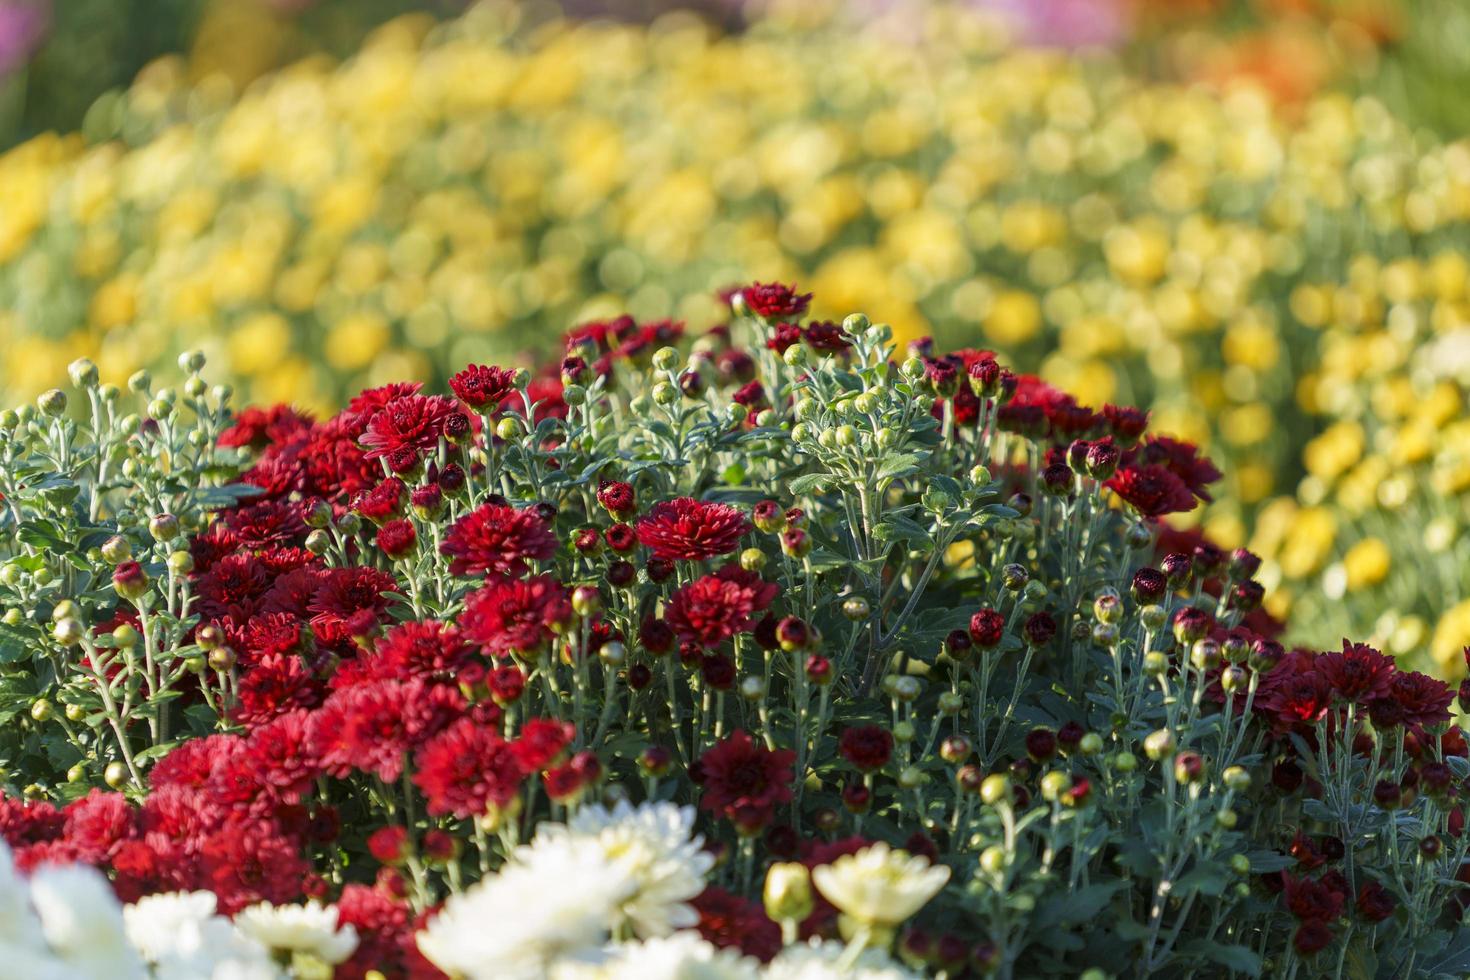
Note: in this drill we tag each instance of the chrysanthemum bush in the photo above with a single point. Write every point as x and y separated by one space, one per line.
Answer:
776 651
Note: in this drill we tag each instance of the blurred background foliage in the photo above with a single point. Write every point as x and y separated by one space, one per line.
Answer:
1250 216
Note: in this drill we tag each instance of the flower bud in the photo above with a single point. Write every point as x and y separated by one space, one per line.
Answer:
586 601
1189 767
612 654
1054 784
752 688
951 703
52 403
115 775
83 373
752 559
1159 745
180 562
1125 762
130 581
1205 654
1091 744
1236 778
1108 609
117 549
222 659
788 892
955 749
818 669
995 789
1233 678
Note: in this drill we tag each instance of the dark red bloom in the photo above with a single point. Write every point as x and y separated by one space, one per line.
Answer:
397 538
482 387
1184 461
987 628
773 300
541 742
257 428
731 922
714 608
868 747
1152 490
508 616
739 775
1126 423
618 498
382 503
691 529
276 685
1359 673
1313 900
498 538
1375 903
466 769
409 422
429 650
1413 700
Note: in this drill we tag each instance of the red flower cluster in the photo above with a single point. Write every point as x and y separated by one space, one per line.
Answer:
692 530
498 539
714 608
744 782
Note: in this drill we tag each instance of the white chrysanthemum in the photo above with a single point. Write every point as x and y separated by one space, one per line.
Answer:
19 927
879 886
82 922
655 845
180 935
553 902
833 961
158 923
312 928
682 956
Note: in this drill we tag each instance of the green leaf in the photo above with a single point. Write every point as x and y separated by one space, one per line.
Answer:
811 483
1077 906
896 466
1236 958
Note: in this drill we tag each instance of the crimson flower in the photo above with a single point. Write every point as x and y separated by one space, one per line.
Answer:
466 769
498 538
868 747
744 781
1152 490
715 607
516 615
689 529
1360 673
481 387
772 300
410 422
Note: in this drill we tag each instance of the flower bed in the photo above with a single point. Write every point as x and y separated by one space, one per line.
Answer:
772 651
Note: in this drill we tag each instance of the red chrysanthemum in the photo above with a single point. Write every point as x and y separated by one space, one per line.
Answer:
277 684
1413 700
465 769
412 422
483 387
499 539
731 922
774 300
516 615
743 780
691 529
1184 461
541 742
345 593
714 608
1152 490
1359 673
429 650
257 428
868 747
382 503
